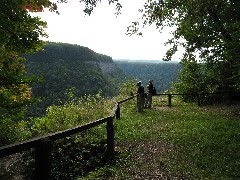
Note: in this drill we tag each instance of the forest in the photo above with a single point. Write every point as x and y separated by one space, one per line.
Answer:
163 74
48 88
62 68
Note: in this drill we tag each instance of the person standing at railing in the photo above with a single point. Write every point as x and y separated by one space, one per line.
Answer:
148 103
140 97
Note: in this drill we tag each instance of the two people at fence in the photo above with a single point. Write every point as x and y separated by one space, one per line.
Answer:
144 100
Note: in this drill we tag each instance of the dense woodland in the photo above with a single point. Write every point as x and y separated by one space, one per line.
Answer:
208 31
164 74
63 68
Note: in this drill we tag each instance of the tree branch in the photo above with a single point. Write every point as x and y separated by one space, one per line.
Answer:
220 25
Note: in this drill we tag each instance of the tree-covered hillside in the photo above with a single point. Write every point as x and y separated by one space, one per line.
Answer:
66 66
162 73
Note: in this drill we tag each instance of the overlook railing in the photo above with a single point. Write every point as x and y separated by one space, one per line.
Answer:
198 96
43 145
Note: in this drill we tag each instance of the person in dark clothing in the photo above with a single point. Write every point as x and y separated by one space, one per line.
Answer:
140 97
148 103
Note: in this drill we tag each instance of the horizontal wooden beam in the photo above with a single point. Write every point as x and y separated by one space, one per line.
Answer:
26 145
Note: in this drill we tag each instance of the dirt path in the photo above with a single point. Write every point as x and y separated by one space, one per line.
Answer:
147 161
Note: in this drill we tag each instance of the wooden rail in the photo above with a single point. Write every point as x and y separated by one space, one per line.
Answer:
198 96
43 145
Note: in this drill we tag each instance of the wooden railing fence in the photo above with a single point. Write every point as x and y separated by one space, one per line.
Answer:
198 96
43 145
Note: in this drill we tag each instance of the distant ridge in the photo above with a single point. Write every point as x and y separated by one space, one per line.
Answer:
145 61
163 73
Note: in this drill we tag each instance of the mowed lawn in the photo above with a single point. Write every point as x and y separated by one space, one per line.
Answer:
181 142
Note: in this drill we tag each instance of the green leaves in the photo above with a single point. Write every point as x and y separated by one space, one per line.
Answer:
14 92
20 33
209 33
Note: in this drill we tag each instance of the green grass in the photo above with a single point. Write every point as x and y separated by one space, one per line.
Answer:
180 142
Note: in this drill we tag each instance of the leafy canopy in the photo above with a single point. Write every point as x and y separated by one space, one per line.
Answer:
210 33
20 34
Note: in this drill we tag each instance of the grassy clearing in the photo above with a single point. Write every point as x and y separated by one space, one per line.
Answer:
182 142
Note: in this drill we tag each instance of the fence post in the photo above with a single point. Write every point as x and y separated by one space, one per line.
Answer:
43 159
169 100
118 111
110 138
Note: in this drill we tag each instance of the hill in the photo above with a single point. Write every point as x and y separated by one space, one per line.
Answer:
65 66
163 73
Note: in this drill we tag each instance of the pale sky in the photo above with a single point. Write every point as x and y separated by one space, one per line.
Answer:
104 33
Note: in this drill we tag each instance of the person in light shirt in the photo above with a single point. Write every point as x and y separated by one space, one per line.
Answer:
148 103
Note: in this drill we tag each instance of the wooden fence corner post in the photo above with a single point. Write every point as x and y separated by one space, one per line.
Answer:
169 100
43 159
118 112
110 138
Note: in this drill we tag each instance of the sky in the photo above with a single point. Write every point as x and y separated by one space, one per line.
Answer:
105 33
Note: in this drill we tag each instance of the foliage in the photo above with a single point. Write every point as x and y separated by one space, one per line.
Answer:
177 138
39 6
162 73
19 31
11 131
189 131
85 149
90 5
82 152
74 112
127 88
66 67
193 79
209 32
14 92
73 156
19 34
